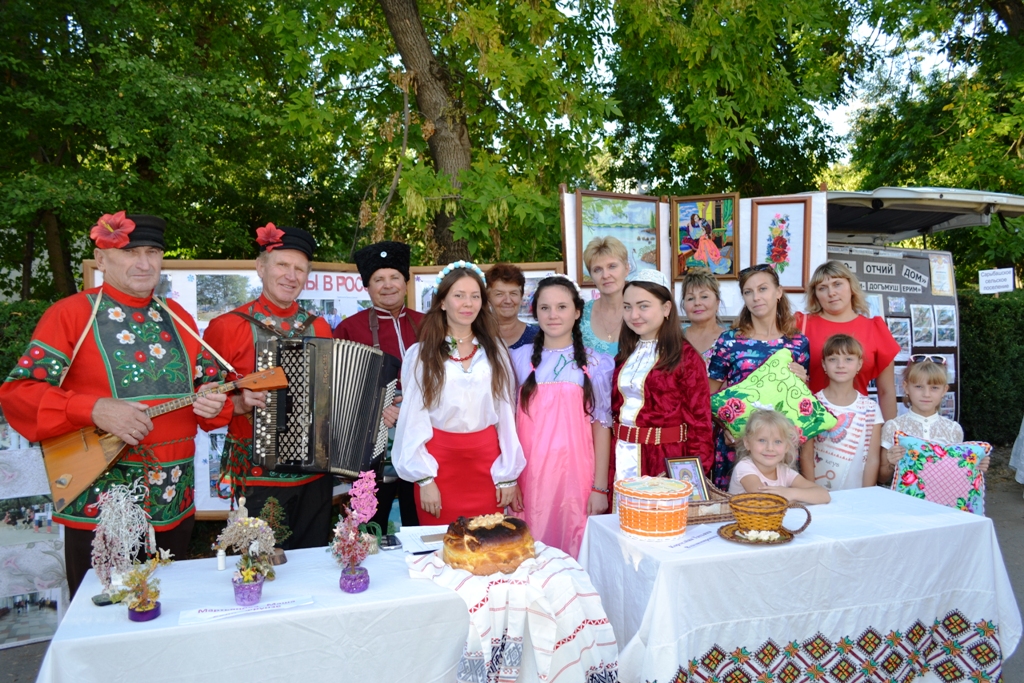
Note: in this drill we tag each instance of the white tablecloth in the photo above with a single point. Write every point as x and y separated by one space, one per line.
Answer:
397 630
878 581
542 622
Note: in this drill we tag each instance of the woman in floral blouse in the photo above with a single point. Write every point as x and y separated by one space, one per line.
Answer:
764 326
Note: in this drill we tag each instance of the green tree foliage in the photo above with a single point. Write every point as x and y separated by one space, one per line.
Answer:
178 109
721 95
958 126
505 103
991 365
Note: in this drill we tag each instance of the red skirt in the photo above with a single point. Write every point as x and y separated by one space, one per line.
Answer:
463 474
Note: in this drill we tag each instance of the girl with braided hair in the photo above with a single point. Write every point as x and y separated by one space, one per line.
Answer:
563 420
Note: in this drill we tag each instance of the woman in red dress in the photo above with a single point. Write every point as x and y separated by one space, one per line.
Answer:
836 305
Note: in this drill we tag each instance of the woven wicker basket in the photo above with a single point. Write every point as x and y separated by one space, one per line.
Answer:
763 511
714 510
652 508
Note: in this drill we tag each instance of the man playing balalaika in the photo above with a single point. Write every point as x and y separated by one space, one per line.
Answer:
100 358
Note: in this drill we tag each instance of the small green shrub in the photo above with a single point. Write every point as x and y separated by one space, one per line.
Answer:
17 321
991 365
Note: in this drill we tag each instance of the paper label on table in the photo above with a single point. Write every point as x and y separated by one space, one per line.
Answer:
201 616
414 538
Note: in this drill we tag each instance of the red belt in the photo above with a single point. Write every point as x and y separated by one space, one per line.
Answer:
650 435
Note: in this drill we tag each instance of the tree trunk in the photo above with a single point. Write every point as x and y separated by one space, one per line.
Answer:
1011 13
63 278
26 265
449 145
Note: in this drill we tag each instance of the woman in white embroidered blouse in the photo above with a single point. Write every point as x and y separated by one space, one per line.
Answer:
456 434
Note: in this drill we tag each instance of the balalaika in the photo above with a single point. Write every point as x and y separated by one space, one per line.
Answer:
329 417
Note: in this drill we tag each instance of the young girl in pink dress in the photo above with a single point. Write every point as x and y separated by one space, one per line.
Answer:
563 420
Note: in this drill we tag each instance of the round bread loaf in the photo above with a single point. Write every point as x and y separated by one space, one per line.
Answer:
487 544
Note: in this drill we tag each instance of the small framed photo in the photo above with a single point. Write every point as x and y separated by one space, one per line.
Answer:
688 469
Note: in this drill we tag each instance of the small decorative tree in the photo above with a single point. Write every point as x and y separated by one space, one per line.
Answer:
123 529
273 514
352 543
253 540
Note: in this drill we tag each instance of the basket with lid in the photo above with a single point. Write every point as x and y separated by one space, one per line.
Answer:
652 508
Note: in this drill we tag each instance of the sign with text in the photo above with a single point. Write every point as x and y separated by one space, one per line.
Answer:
995 280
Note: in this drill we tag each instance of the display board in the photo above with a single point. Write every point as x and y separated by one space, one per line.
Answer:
915 292
207 289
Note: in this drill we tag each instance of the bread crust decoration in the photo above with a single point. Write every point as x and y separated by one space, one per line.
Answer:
488 544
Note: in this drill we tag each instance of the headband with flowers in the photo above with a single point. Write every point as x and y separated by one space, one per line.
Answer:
468 265
579 290
269 237
111 230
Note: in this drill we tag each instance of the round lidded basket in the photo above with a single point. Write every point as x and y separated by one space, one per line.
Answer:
652 508
763 511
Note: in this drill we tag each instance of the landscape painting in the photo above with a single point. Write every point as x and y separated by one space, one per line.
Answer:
632 219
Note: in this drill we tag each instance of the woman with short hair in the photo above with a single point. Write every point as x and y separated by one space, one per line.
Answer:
701 297
836 305
506 285
607 262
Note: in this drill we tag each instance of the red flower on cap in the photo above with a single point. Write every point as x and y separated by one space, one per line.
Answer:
111 231
269 236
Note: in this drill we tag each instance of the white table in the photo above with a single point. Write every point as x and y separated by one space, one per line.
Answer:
873 563
399 629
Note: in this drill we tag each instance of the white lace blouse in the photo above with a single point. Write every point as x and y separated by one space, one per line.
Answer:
466 405
935 429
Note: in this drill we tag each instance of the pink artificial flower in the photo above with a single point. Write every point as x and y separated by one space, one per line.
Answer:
909 479
111 230
363 498
269 236
725 414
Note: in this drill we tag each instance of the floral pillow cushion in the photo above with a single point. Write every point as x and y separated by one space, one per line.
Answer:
773 386
947 475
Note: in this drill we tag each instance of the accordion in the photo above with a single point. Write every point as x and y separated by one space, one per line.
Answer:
329 417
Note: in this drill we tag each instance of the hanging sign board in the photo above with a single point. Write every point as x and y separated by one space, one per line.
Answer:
995 281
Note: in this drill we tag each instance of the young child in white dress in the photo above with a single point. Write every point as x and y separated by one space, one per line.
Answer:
924 384
845 457
766 453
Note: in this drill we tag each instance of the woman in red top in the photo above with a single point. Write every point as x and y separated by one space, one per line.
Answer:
836 305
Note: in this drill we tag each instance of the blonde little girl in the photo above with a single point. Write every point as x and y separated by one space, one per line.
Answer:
924 386
767 452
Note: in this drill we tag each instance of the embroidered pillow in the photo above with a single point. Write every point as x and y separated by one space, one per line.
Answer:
772 386
947 475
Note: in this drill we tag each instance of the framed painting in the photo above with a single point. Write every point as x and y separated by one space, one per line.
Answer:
688 469
421 284
705 234
780 235
632 219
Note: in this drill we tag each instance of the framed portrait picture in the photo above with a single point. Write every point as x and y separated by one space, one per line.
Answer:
688 469
632 219
705 234
421 284
781 237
